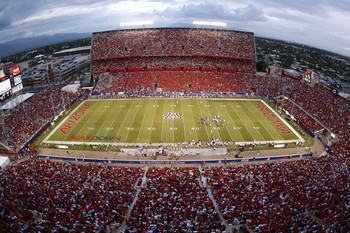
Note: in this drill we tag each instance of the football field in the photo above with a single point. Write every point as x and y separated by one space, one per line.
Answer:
172 120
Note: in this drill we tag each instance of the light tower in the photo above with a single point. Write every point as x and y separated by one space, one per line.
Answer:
137 23
209 23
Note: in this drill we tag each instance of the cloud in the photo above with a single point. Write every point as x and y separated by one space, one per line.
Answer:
5 19
298 20
316 7
249 13
341 5
214 11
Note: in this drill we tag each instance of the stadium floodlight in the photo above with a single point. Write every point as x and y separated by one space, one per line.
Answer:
146 22
210 23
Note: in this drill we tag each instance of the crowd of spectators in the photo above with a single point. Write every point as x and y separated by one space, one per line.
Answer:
135 64
172 42
320 102
172 50
266 198
275 197
174 201
170 81
281 197
313 104
25 120
67 197
298 188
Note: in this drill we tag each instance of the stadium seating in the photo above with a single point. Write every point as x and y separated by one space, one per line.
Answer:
265 198
320 102
172 42
28 118
74 197
278 197
174 201
169 81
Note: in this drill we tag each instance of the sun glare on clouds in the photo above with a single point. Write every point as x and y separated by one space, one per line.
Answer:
137 7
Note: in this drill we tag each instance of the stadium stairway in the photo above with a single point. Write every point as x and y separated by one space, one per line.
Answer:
204 184
122 226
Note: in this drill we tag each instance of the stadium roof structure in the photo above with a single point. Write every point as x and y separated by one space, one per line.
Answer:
4 161
84 49
16 101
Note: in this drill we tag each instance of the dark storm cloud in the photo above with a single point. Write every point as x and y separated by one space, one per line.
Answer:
21 9
5 19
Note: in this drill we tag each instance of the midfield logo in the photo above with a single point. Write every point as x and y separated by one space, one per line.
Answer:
172 115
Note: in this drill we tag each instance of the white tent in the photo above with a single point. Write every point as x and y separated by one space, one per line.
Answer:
4 161
71 88
14 102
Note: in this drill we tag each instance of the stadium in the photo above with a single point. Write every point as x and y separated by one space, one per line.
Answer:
178 134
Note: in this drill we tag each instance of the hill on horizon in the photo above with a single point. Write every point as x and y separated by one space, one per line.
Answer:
24 44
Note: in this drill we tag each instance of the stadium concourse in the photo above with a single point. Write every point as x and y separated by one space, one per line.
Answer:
305 195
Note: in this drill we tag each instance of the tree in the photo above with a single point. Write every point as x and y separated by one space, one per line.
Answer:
261 66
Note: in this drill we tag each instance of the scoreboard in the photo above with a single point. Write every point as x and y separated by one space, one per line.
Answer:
10 84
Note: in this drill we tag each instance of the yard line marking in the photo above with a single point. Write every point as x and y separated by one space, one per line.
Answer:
183 121
101 127
117 117
206 128
154 114
210 119
121 125
192 118
233 121
248 129
138 106
161 135
172 106
227 127
137 139
92 116
222 106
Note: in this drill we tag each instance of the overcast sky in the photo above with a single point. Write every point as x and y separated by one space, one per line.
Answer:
323 24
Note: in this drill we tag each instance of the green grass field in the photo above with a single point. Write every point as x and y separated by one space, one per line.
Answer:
171 120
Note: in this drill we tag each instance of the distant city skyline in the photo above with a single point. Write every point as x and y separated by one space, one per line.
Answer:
322 24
